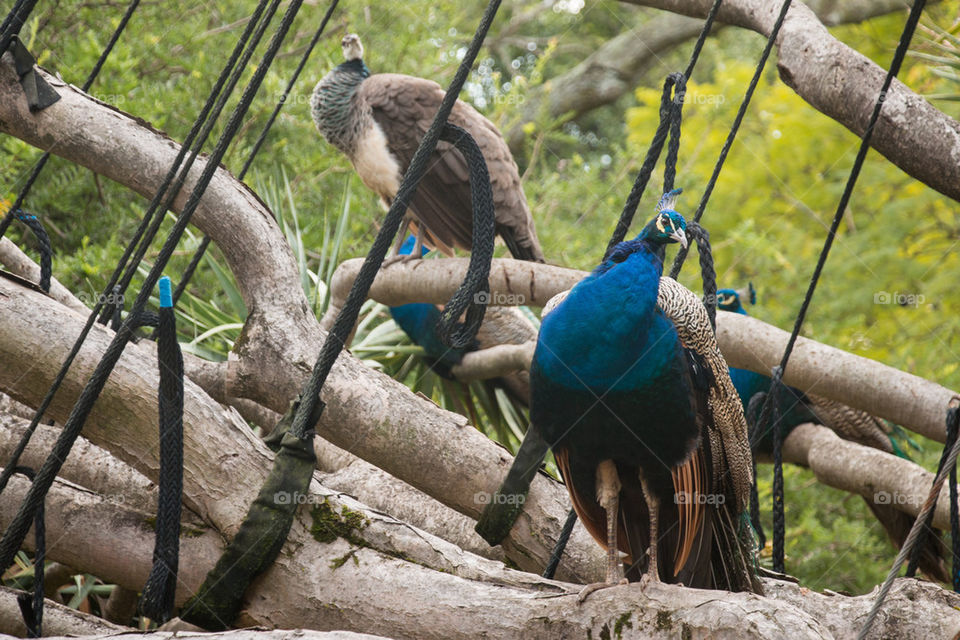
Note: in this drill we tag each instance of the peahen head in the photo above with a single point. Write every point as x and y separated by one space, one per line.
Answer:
352 47
731 299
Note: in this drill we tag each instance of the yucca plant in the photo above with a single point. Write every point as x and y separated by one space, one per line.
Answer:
944 60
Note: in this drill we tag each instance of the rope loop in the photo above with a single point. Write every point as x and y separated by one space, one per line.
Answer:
473 295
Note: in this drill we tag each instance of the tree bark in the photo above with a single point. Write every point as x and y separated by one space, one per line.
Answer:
844 84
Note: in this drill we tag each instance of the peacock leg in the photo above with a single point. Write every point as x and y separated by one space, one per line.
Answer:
608 495
394 255
653 506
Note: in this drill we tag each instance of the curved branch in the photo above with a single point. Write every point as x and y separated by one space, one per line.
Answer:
843 84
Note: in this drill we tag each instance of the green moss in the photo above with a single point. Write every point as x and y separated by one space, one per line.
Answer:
664 621
328 525
336 563
621 623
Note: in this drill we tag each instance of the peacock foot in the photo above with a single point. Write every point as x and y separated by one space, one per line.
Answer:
597 586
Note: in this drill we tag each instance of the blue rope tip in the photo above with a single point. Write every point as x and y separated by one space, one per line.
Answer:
166 292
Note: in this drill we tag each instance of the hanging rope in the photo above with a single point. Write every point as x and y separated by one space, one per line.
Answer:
41 163
732 135
13 23
14 535
31 604
205 243
927 530
311 407
898 56
111 293
43 245
158 593
554 561
231 82
953 420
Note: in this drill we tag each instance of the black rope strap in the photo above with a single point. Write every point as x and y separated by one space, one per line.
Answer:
36 90
43 244
157 600
111 293
41 163
554 561
205 243
16 531
303 422
708 273
902 46
732 135
31 604
752 413
262 534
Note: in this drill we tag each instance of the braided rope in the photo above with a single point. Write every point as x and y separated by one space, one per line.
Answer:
551 569
42 161
157 601
16 531
734 128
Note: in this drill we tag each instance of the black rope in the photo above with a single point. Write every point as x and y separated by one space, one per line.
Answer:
13 537
898 56
43 245
671 105
953 426
41 163
13 23
927 531
752 411
708 272
732 135
31 604
311 406
111 294
205 243
554 560
158 593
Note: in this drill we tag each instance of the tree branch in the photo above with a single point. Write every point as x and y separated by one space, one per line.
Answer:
843 84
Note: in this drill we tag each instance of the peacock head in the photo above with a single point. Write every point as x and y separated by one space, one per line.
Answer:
352 47
731 299
667 225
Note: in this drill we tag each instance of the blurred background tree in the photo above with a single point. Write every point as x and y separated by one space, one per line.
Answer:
575 85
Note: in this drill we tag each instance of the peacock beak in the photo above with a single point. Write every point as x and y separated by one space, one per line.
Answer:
680 236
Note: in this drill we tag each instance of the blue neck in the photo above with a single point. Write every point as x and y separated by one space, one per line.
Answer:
608 321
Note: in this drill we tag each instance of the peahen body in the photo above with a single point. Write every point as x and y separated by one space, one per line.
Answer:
851 424
631 393
378 120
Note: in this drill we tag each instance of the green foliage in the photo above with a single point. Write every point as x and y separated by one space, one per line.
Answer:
767 217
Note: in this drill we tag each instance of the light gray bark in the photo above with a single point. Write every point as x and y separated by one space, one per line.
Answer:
844 84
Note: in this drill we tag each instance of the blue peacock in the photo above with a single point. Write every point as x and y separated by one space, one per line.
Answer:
631 392
851 424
